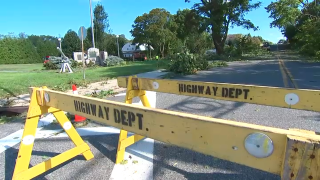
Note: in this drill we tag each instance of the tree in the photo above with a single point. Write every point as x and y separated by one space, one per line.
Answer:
155 28
299 21
218 16
101 25
70 43
110 44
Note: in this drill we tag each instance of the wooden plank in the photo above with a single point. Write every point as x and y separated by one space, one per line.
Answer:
211 136
302 159
303 99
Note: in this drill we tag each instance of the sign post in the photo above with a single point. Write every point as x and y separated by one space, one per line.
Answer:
82 34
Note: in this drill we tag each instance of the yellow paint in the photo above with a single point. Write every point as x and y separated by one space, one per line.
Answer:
130 140
22 170
284 76
264 95
265 145
51 163
198 133
290 75
124 140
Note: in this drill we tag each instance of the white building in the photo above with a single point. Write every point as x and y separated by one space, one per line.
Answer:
129 48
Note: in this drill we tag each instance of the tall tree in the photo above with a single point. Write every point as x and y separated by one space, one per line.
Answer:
101 24
155 28
70 43
219 15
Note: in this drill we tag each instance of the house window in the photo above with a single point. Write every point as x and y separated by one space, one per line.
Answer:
127 48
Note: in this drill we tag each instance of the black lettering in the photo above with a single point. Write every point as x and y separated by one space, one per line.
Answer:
231 91
189 88
83 109
116 115
238 92
93 109
224 92
100 112
106 110
200 88
184 88
246 91
131 118
208 90
124 118
87 108
140 116
215 90
180 87
194 88
76 107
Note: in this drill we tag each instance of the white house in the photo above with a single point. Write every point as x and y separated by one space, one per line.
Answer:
129 48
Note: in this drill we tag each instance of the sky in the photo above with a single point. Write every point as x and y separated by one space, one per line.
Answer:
56 17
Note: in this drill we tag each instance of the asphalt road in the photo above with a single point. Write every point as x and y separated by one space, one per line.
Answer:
171 162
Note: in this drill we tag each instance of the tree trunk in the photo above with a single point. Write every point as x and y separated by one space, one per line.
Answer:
162 53
218 43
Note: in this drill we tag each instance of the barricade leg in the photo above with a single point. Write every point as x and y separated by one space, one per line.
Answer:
36 109
301 159
124 140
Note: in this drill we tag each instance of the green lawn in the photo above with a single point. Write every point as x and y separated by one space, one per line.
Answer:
15 83
21 67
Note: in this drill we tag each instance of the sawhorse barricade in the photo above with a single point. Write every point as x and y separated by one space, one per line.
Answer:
292 154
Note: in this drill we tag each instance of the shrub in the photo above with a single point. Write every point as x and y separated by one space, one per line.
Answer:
76 64
187 63
50 66
113 61
91 64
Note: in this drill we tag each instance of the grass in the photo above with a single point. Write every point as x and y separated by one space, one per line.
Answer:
21 67
16 83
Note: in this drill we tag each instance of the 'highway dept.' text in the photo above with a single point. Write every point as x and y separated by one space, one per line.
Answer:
126 118
225 92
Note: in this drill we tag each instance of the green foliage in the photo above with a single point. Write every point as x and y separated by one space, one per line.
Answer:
284 13
218 64
102 94
90 64
50 66
70 43
114 61
156 28
45 45
187 64
299 21
219 16
76 64
101 25
17 51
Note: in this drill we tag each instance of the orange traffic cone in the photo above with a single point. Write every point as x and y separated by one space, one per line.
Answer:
77 118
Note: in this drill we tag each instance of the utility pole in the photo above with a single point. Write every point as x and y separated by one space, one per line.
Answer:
118 45
92 26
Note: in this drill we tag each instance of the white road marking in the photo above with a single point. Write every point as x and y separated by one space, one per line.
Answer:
15 138
120 94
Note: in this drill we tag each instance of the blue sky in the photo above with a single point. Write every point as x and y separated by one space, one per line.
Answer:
56 17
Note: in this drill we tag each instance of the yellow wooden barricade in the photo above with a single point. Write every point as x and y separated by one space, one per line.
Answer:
292 154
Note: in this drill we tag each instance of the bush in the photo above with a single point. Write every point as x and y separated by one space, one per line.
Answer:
91 64
76 64
187 63
113 61
50 66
